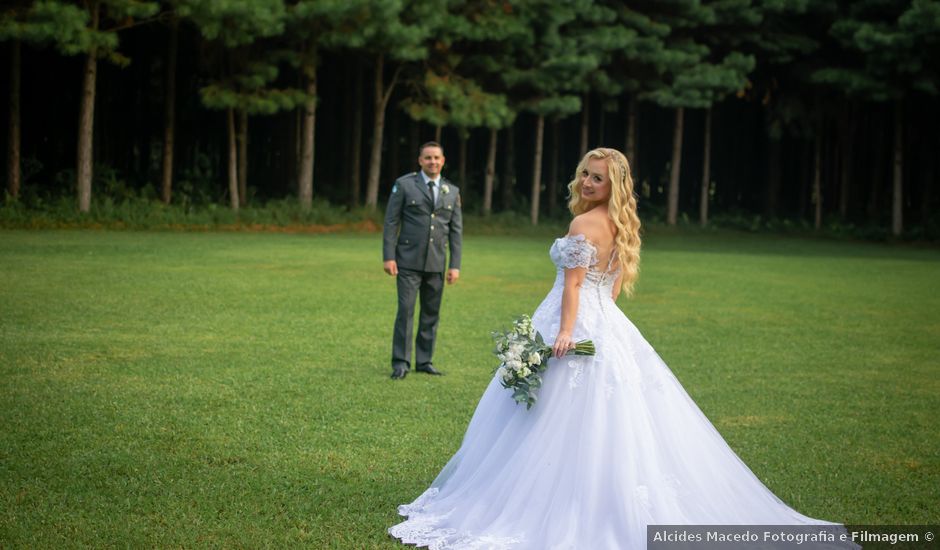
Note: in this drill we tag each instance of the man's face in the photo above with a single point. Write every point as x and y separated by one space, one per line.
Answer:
431 161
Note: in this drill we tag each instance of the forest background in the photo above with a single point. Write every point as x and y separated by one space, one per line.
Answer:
781 114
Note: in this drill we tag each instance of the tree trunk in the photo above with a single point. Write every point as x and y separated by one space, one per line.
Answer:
393 153
232 161
817 178
630 147
169 115
298 143
462 166
585 123
537 169
242 138
507 184
553 171
355 157
86 120
672 212
308 142
382 94
414 141
490 173
878 168
897 204
929 166
600 126
13 143
773 177
847 129
806 178
706 169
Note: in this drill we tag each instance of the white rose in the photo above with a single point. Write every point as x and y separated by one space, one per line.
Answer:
525 372
535 359
514 365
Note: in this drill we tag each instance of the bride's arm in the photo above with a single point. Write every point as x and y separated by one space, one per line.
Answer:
574 278
569 310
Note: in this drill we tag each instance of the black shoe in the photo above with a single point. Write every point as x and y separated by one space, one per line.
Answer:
429 369
399 372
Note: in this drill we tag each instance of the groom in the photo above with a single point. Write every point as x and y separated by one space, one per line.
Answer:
422 219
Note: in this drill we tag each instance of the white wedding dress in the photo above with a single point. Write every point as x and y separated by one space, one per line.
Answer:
613 444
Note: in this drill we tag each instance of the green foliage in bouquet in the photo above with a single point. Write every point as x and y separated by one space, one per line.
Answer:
523 356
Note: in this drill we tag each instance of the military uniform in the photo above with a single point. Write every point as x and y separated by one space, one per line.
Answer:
418 231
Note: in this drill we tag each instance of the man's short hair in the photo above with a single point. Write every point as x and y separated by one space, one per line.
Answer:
430 144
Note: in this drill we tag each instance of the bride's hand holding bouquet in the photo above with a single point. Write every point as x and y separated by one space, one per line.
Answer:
524 356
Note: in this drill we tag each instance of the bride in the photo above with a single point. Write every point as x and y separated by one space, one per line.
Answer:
614 442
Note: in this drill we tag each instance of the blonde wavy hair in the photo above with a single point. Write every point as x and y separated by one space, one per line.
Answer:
621 208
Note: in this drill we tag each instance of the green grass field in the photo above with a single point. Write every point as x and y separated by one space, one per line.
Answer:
231 389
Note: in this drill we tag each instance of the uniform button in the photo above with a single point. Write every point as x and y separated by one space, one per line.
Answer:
432 216
432 227
432 239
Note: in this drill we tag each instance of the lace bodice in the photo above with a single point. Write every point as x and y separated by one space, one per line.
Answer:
574 251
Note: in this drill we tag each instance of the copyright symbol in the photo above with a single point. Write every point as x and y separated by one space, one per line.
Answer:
928 536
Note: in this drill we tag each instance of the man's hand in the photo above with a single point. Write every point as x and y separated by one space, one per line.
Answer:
452 276
390 267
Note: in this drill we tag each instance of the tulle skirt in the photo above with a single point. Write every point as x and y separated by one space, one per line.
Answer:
613 444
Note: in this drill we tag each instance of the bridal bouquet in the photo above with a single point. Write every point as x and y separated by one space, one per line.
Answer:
523 356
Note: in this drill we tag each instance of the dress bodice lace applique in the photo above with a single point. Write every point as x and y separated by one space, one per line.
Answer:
573 251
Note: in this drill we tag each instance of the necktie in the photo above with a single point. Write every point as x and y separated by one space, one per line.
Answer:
431 189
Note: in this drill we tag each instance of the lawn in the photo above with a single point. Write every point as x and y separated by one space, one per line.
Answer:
231 389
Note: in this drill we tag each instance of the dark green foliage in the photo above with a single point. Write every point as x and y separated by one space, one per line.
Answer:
691 58
250 91
449 91
234 22
469 65
452 100
149 213
543 70
65 25
894 46
245 70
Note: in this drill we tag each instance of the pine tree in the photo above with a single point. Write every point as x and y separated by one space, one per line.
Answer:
692 76
451 91
543 70
169 115
245 71
731 38
786 42
313 27
896 44
392 33
88 28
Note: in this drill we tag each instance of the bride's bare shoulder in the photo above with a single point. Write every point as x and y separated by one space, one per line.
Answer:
590 225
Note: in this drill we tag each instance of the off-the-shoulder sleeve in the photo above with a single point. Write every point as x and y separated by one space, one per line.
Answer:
576 251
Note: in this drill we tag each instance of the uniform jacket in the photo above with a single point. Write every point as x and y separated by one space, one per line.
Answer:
417 233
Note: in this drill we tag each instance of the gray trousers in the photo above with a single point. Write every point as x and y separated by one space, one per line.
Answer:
430 286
